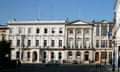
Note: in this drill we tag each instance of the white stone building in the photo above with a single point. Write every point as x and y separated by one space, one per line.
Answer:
37 41
116 40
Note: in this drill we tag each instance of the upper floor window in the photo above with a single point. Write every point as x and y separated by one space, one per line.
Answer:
45 43
19 30
18 43
37 30
110 28
60 43
45 30
52 43
10 30
29 30
103 43
97 43
86 31
110 43
60 30
53 30
104 30
71 31
37 43
78 31
70 43
97 30
78 44
29 43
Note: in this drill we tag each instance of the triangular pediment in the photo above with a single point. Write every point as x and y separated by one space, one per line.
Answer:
79 22
104 21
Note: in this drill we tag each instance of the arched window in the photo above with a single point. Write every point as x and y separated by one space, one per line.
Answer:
86 55
69 55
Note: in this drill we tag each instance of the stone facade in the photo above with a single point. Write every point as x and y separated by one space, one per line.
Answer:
42 41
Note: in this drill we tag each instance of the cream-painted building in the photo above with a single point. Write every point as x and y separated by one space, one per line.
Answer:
88 42
103 36
41 41
37 41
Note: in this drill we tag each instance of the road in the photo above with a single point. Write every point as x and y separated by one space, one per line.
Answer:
53 68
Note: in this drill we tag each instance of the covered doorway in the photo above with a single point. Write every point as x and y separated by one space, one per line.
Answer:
96 56
34 57
86 56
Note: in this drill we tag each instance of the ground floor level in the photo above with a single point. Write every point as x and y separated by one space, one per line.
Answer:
63 56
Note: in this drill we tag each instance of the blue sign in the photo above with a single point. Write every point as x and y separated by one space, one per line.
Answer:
109 34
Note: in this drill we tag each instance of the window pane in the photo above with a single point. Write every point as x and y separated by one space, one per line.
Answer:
29 30
97 43
20 30
104 30
97 30
37 30
70 31
103 55
29 43
18 43
104 43
78 31
45 43
110 43
60 30
37 43
45 30
60 43
53 30
52 43
10 30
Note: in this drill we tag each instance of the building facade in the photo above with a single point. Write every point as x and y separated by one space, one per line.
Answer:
103 36
65 41
37 41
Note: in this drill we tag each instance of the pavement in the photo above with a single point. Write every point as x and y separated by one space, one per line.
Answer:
59 68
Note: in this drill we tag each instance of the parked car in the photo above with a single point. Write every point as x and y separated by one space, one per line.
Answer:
53 63
74 62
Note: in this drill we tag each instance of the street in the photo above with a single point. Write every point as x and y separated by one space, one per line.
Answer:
53 68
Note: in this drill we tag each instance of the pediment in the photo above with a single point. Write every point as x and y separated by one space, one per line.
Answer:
79 22
104 21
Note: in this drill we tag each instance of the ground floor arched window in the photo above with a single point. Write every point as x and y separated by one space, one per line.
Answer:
34 58
69 55
86 55
78 55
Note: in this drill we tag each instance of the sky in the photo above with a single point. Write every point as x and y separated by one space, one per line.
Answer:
56 10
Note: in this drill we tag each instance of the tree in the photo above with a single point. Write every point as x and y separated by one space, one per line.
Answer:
5 53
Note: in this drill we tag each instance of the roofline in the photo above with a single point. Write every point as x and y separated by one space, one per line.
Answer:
36 21
77 21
